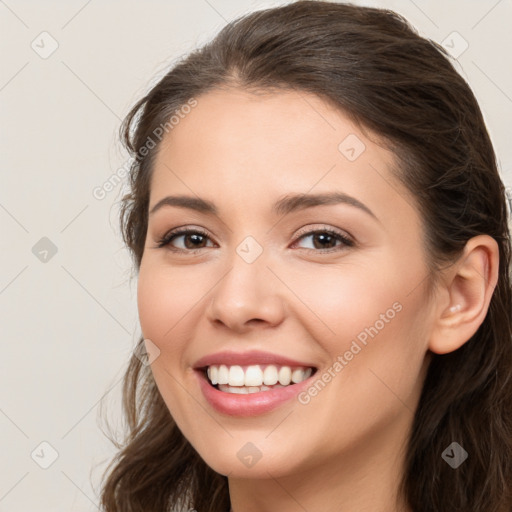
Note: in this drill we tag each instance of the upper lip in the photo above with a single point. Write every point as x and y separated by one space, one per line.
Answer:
250 357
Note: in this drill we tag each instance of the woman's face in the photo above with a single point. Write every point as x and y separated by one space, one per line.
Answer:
269 286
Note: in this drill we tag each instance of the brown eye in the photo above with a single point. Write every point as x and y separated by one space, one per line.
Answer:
193 240
325 240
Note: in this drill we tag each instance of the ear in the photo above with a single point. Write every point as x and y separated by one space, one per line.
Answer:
466 292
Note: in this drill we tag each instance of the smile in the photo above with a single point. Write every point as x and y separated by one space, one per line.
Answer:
255 378
250 383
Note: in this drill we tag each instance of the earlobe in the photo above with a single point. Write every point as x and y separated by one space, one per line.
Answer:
469 284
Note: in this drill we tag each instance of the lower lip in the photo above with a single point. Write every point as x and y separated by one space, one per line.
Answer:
250 404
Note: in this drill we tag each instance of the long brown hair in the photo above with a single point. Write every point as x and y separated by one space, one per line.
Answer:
373 66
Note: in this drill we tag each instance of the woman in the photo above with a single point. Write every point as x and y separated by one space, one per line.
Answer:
321 240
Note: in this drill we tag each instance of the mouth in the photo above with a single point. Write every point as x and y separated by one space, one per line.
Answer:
250 383
255 378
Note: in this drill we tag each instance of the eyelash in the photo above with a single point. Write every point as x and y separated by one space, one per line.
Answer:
169 237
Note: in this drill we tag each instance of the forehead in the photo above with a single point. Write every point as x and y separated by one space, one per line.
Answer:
285 124
237 146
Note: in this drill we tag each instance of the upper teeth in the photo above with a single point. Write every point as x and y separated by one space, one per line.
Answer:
254 375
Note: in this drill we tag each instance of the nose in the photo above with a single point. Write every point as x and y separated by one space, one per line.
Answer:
248 295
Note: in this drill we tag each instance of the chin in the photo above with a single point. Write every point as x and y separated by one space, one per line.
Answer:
240 458
234 468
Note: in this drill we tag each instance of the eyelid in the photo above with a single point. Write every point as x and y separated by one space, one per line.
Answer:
177 232
323 227
309 230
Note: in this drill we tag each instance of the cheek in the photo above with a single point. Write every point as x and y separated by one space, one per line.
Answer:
339 302
164 297
150 294
164 304
373 317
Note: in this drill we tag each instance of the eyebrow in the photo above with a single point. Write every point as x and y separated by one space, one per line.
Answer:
287 204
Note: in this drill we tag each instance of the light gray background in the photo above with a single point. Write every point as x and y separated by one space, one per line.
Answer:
69 323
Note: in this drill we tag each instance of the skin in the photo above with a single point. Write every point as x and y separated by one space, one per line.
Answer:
345 448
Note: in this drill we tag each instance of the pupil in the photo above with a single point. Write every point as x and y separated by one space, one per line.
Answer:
195 237
323 236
